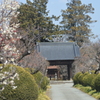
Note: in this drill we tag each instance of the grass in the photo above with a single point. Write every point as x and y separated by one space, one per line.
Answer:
43 96
96 95
88 90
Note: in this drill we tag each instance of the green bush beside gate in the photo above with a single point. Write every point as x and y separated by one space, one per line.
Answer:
86 79
28 85
27 88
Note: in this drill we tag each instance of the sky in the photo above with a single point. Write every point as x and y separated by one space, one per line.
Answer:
55 7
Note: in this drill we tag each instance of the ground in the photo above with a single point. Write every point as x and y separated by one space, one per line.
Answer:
64 90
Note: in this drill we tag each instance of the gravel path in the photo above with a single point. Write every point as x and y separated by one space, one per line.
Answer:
65 91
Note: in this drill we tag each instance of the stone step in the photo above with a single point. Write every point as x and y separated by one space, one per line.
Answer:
61 82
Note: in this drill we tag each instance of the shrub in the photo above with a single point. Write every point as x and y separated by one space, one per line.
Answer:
76 78
78 86
44 83
96 95
27 88
97 82
86 89
87 79
80 78
41 80
92 92
93 81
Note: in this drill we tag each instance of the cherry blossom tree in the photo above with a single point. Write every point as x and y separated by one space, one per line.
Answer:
16 43
15 47
8 37
8 30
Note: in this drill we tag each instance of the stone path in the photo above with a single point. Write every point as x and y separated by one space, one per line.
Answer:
64 90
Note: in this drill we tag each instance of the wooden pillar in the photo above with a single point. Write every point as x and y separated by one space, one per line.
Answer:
69 71
58 74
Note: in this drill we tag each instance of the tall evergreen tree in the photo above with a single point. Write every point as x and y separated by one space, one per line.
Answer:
76 21
34 19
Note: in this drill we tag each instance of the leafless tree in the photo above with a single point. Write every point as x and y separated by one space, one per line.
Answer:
36 61
87 60
96 48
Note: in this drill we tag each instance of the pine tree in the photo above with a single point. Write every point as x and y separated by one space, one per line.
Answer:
34 19
76 21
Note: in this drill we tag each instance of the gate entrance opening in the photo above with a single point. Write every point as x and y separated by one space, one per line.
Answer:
63 53
53 72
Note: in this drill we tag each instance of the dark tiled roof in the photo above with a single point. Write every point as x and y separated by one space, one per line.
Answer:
58 51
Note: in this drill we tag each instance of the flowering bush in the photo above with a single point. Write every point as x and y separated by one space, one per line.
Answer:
8 37
22 85
7 77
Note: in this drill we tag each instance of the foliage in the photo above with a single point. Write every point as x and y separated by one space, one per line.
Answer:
87 79
78 86
97 82
27 88
92 92
93 82
41 80
80 78
33 13
43 96
44 83
76 78
7 77
34 19
96 95
88 90
76 21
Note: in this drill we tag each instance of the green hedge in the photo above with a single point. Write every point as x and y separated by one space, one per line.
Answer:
40 79
27 88
80 78
76 78
88 79
97 82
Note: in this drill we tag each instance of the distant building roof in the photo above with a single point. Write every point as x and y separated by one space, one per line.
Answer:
58 51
